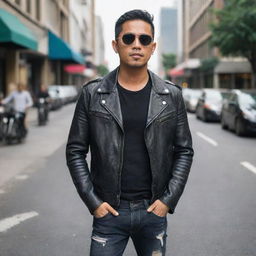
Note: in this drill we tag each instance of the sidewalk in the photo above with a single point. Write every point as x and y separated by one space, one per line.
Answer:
32 115
40 143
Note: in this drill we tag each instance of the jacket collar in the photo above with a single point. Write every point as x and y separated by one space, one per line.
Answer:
110 99
109 82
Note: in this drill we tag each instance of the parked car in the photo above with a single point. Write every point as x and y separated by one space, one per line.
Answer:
191 97
239 112
209 105
71 93
63 94
55 100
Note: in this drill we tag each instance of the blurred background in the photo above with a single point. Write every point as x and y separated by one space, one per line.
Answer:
51 48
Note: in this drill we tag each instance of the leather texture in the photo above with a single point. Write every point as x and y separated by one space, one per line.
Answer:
98 124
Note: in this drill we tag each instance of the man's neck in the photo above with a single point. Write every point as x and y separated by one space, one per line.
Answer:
133 79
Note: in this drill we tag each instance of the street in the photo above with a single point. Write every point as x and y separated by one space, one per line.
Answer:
215 216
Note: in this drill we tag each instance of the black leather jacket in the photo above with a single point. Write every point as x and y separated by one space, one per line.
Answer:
97 123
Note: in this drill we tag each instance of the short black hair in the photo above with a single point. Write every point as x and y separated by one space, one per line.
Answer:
134 15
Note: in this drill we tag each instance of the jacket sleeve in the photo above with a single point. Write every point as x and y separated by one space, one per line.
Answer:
8 99
76 151
183 155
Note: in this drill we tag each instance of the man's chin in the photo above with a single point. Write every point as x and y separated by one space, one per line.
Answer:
136 65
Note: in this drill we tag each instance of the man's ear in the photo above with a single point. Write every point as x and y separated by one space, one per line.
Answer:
153 47
115 46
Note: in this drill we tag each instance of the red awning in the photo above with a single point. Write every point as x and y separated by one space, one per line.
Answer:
76 68
176 72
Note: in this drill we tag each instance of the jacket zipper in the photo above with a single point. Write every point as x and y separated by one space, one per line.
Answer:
149 162
120 171
121 161
149 151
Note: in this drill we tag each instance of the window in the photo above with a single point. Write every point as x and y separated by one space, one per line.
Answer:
28 7
38 9
233 98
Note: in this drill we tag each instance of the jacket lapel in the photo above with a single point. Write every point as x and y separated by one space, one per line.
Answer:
110 98
156 103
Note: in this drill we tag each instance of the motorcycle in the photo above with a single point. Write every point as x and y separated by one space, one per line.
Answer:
12 126
42 110
2 110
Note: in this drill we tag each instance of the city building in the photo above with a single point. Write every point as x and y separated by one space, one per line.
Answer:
42 42
99 56
56 16
82 27
23 44
196 16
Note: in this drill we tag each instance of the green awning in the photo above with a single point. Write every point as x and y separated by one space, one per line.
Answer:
12 30
60 50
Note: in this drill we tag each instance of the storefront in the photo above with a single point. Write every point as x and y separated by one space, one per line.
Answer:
230 74
60 55
2 72
14 36
186 74
233 74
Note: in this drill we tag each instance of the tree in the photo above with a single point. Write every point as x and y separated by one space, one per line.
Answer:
168 61
102 70
234 33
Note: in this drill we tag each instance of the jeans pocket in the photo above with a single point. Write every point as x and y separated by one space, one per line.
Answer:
104 217
155 215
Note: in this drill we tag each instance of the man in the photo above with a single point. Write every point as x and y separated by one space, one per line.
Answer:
21 100
140 143
44 94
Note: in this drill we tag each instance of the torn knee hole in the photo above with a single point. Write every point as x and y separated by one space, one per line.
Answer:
161 238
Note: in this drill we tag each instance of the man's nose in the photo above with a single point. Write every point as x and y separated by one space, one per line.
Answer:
136 43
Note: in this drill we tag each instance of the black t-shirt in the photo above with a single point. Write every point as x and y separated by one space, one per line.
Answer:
136 173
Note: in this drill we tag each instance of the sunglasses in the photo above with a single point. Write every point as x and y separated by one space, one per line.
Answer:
130 38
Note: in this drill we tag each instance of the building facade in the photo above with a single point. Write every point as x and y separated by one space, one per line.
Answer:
23 44
196 17
40 38
99 56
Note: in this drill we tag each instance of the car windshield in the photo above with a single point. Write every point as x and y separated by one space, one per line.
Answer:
225 95
248 100
195 94
53 91
214 96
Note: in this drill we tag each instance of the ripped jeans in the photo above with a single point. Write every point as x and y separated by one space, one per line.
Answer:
111 233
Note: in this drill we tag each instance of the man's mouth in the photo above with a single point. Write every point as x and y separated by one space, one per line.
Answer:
136 55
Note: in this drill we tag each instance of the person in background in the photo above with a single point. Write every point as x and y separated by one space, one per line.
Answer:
43 93
136 127
21 100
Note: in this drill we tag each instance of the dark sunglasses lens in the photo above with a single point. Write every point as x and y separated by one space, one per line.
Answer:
128 38
145 39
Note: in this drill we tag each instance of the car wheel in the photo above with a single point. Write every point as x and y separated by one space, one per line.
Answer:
197 116
204 117
239 128
223 124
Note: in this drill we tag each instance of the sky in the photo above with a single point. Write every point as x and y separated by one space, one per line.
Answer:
111 10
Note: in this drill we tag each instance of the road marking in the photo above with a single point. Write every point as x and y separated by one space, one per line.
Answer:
208 139
249 166
21 177
10 222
